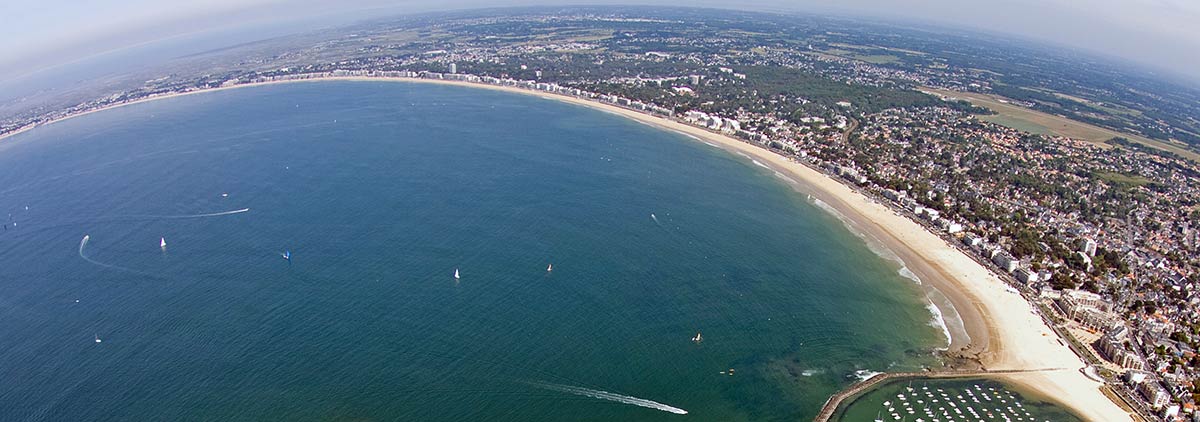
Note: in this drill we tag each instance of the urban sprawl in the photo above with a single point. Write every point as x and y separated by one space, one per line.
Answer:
1102 237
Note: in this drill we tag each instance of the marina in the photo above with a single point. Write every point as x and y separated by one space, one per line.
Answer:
961 397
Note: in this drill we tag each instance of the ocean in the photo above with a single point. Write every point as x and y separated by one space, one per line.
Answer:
380 192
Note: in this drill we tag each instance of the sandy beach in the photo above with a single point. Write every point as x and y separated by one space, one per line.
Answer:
1004 333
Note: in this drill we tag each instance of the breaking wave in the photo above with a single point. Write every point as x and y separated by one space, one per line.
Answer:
907 273
785 178
811 372
873 244
865 374
946 317
939 321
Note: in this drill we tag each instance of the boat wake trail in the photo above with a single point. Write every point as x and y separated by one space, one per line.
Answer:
83 243
214 214
604 395
128 218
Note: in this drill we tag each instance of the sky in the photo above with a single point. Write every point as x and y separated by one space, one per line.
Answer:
37 34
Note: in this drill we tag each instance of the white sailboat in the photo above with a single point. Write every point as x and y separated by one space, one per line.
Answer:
456 277
550 268
697 338
97 338
162 242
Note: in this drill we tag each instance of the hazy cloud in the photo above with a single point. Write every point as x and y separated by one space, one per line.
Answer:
1161 33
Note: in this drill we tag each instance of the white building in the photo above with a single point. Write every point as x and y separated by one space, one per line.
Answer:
1005 261
1087 246
731 125
952 227
1136 377
1026 275
1088 309
932 214
1154 394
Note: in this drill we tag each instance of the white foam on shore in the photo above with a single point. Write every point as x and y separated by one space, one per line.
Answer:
873 244
939 321
829 209
907 273
783 177
811 372
614 397
760 164
696 138
939 318
864 374
947 317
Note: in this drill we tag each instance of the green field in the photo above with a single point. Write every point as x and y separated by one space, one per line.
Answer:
876 58
1131 180
1016 123
1034 121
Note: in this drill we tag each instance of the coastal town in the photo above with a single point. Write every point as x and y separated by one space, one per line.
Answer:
1102 237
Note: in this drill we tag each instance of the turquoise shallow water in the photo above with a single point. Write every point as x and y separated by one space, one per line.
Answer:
380 191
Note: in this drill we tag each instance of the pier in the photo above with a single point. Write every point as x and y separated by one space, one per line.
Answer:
831 405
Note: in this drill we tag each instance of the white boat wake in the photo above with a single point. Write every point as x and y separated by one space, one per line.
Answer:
614 397
214 214
83 243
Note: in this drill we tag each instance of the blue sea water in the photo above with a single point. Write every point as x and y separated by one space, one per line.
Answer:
380 191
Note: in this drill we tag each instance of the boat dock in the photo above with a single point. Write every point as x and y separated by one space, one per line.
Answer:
835 401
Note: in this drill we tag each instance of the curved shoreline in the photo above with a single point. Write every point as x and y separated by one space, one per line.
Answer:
1005 334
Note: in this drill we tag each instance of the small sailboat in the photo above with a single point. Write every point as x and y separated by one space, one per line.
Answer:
456 277
697 338
97 338
287 255
550 268
162 242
